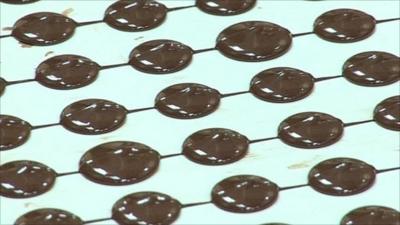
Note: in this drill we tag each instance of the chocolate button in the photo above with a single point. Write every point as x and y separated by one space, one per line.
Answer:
254 41
25 179
387 113
344 25
372 69
48 216
372 215
119 163
341 176
134 15
146 208
215 146
282 84
310 130
187 101
225 7
3 85
43 28
244 194
67 72
93 116
161 56
19 1
13 132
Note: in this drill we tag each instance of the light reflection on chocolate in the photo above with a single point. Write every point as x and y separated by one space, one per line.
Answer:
48 216
225 7
13 132
372 215
387 113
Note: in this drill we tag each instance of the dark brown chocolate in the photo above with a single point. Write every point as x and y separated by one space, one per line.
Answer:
187 101
25 179
254 41
387 113
160 56
341 176
67 72
135 15
13 132
215 146
310 130
146 208
372 215
19 1
244 194
225 7
372 69
93 116
3 85
119 163
48 216
43 28
282 84
344 25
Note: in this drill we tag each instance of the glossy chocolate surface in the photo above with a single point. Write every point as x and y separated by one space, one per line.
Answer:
13 132
254 41
244 194
372 215
93 116
48 216
160 56
43 28
225 7
3 85
19 1
135 15
67 72
187 101
344 25
372 69
146 208
119 163
387 113
215 146
282 84
25 179
341 176
310 130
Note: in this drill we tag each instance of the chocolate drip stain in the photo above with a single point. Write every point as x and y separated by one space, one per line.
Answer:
48 216
119 163
341 176
344 25
254 41
244 194
25 179
387 113
310 130
13 132
372 215
225 7
43 28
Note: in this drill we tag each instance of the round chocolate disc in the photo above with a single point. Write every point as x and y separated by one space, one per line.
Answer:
160 56
244 194
67 72
43 28
225 7
3 85
344 25
372 215
372 69
93 116
187 101
215 146
387 113
48 216
254 41
25 179
146 208
18 1
119 163
134 15
13 132
341 176
282 84
310 130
